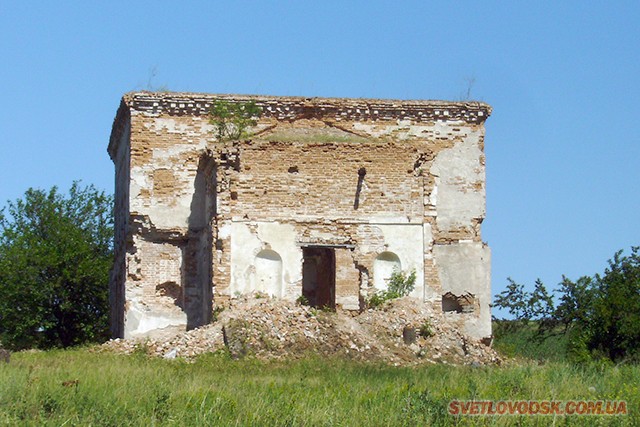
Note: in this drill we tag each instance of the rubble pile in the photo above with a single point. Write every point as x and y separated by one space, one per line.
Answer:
400 332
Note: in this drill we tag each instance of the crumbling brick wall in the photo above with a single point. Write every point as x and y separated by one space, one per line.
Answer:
372 184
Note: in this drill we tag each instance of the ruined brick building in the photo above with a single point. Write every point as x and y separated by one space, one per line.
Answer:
325 199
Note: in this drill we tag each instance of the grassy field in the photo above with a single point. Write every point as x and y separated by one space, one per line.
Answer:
525 342
79 387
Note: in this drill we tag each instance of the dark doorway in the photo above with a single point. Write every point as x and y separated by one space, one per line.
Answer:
319 276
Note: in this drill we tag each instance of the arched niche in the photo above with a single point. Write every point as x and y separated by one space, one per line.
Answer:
383 266
268 278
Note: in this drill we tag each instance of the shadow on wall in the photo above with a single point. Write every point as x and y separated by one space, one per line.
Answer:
465 303
197 267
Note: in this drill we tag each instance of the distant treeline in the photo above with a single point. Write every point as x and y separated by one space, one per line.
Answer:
598 316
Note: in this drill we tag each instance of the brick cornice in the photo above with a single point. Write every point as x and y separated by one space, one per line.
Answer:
294 108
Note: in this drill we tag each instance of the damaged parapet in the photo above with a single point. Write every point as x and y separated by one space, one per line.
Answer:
322 202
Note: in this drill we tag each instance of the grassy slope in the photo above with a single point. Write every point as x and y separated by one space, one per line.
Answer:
526 342
137 390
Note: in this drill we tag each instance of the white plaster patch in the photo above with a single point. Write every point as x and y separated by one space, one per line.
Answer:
348 302
245 245
280 278
406 241
168 125
466 268
391 219
139 321
224 230
406 129
457 170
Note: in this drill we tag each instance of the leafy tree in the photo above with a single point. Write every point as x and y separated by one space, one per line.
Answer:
540 304
612 319
525 306
575 302
600 315
542 309
55 254
515 300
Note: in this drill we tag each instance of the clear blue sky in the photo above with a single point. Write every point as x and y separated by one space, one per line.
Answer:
563 78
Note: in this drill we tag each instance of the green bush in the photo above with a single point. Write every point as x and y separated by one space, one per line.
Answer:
426 330
232 119
400 285
216 313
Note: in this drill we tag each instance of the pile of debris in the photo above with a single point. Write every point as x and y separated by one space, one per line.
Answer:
400 332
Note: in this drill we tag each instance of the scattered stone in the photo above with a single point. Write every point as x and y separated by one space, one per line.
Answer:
293 331
171 354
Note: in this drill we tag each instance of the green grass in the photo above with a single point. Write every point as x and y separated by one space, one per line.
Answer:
215 390
525 341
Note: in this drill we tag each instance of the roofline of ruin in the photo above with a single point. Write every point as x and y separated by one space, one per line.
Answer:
290 108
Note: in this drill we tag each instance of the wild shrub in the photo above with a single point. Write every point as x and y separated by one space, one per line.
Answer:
426 329
215 313
598 314
232 119
400 285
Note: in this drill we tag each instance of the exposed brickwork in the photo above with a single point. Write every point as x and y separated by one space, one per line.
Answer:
199 220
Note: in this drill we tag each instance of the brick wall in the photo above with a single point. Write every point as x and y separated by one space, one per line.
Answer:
376 175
